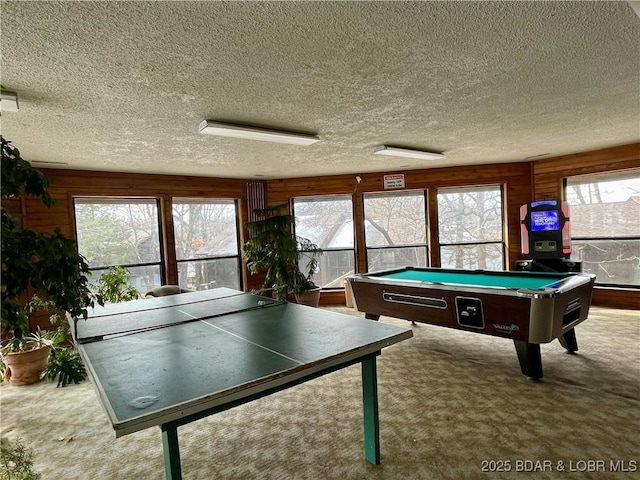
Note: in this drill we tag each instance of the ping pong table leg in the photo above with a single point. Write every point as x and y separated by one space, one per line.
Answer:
370 406
171 451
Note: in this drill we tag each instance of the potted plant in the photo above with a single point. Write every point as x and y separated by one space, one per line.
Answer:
273 249
46 263
25 357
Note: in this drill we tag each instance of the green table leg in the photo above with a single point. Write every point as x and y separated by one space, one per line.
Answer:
171 451
370 403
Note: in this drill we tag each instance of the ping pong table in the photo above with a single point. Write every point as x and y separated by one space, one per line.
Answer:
169 361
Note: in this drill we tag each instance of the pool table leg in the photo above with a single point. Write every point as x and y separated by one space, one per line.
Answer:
568 341
530 359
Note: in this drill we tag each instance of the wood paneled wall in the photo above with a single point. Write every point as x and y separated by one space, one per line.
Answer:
76 183
548 177
67 184
522 183
548 174
514 178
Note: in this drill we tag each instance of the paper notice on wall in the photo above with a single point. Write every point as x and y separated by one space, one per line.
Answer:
394 181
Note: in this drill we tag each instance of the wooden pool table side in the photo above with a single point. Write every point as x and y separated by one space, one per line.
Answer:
368 298
527 317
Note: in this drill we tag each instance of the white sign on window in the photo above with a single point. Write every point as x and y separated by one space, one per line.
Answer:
394 181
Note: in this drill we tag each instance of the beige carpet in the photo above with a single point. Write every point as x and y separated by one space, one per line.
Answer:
450 402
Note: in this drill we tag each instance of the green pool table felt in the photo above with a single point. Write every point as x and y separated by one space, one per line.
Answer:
531 282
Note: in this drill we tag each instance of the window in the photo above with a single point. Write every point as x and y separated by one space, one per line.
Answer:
605 226
121 232
328 222
206 236
470 227
395 229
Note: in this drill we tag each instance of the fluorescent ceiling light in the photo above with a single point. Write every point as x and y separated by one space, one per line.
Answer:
405 152
255 133
8 101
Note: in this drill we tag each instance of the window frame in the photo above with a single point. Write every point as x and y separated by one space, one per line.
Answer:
125 200
605 176
237 256
503 220
352 249
397 193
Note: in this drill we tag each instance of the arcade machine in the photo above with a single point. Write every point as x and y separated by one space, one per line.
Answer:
545 238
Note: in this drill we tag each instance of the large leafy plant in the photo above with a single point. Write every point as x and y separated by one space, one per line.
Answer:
46 263
273 249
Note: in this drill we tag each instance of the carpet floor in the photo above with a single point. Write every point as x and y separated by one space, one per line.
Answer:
453 405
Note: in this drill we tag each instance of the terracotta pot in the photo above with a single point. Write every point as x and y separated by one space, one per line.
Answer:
311 297
25 368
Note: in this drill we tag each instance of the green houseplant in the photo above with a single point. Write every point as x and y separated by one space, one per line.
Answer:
46 263
273 249
16 461
113 286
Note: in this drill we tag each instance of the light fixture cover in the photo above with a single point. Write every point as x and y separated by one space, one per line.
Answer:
405 152
255 133
8 101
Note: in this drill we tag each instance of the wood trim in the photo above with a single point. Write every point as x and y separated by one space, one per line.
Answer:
359 226
168 240
256 198
433 226
548 174
626 298
333 297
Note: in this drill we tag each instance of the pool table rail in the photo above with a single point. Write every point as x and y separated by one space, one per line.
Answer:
554 283
571 282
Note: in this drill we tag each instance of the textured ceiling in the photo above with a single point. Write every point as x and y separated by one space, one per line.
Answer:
122 86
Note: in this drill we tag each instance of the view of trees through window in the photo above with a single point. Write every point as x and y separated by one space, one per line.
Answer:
604 211
470 227
605 225
395 229
206 236
124 232
328 222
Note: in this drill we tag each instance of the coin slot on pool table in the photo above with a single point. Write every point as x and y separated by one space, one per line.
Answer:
572 313
414 300
469 312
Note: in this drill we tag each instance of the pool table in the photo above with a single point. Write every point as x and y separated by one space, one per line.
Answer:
529 308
